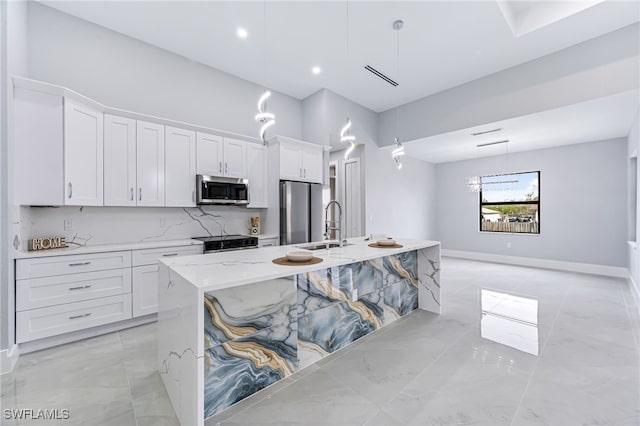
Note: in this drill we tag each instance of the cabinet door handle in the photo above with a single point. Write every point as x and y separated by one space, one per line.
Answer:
80 316
169 254
225 167
220 167
70 186
301 172
267 245
305 172
193 196
80 287
132 193
80 263
140 194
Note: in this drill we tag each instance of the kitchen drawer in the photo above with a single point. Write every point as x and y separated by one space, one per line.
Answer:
151 256
267 242
71 264
45 322
49 291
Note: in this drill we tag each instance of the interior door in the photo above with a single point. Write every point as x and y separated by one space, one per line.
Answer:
352 199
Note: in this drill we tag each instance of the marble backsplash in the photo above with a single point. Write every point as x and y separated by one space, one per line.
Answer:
114 225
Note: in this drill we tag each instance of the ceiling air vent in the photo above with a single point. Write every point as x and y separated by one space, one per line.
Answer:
379 74
485 132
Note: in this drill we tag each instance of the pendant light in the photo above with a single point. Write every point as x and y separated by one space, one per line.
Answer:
399 150
345 134
264 118
475 183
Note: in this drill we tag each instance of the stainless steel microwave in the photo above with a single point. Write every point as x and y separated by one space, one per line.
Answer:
221 190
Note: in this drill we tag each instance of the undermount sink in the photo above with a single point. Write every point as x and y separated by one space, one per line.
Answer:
321 246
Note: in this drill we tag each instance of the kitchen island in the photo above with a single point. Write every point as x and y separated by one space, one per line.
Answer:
233 323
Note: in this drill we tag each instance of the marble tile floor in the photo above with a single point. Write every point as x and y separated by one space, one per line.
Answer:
513 346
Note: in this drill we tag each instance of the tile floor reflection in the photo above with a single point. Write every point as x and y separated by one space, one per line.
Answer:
425 369
510 320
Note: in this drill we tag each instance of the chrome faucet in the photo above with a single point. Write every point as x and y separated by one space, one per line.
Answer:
328 223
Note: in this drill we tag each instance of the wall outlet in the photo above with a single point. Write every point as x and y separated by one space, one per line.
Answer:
508 245
68 225
163 222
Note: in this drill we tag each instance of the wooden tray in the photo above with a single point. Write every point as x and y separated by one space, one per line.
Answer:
286 262
376 245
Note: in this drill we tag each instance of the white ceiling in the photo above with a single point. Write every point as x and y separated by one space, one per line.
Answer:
443 43
604 118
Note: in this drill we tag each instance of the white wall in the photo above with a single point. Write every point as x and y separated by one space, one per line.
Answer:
123 72
599 67
582 204
400 203
633 148
13 52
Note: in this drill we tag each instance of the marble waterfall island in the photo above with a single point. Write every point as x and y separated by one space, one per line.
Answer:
233 323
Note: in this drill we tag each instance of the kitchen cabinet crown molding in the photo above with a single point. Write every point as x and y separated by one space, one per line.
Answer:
53 89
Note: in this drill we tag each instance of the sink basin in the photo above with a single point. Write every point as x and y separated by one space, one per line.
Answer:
322 246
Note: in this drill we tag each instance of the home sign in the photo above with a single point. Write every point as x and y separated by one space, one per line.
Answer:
47 243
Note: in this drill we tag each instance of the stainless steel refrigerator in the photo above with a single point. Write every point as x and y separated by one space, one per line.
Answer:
300 212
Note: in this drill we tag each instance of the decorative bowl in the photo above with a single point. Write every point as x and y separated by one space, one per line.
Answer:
299 256
386 242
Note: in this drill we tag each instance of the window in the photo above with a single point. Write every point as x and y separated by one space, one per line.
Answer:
510 203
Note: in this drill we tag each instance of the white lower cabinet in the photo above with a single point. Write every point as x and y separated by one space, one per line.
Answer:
63 294
145 295
268 242
145 275
48 291
50 321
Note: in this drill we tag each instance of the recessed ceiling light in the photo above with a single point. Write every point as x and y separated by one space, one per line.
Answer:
242 33
316 70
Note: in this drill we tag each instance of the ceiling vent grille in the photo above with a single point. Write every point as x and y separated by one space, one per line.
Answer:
380 75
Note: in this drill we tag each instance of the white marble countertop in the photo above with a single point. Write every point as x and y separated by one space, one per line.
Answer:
216 271
105 248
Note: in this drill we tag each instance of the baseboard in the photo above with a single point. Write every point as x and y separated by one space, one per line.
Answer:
587 268
633 286
49 342
8 359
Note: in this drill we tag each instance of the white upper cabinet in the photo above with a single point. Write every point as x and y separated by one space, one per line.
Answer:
119 161
150 164
218 156
209 161
290 161
312 164
234 157
301 161
83 155
38 147
257 174
180 167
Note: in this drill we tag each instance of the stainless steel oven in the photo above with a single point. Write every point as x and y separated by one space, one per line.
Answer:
228 242
221 190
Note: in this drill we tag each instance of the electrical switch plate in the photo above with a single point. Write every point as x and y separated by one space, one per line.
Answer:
354 295
68 225
508 245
